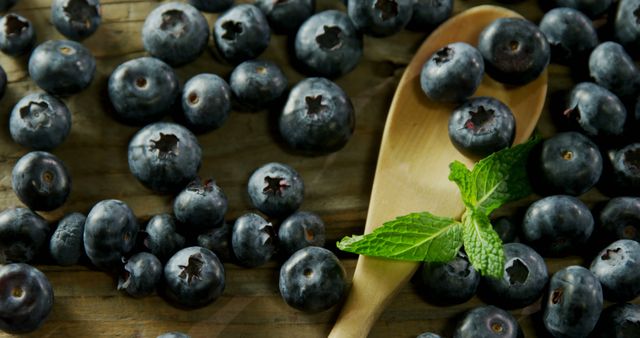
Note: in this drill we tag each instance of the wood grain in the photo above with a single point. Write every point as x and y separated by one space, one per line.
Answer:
338 186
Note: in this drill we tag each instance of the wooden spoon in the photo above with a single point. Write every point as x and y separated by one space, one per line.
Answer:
413 164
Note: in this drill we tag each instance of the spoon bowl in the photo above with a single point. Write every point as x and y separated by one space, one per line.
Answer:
413 163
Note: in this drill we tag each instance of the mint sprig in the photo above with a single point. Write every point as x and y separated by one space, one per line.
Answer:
496 179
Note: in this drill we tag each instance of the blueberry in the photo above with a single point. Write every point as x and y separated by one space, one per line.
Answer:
328 44
592 8
449 283
317 118
62 67
76 19
142 90
141 275
162 239
200 206
66 246
206 102
571 35
218 240
241 33
301 229
175 33
109 233
612 68
26 298
428 14
481 125
487 322
525 276
276 189
568 163
596 110
617 267
573 302
41 181
380 17
626 25
557 224
164 156
620 218
257 83
23 233
624 176
211 6
515 51
252 240
619 321
194 277
40 121
428 335
174 335
17 35
506 228
312 280
286 16
452 73
6 4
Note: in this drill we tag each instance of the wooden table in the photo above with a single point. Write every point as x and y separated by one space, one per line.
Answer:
338 185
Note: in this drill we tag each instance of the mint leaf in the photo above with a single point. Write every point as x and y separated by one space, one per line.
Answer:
414 237
482 244
496 179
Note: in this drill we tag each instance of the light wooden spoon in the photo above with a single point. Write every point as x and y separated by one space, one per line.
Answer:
413 164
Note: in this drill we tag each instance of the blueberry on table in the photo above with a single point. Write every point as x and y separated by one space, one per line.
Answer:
617 267
623 178
452 73
428 14
592 8
317 118
515 51
206 102
619 320
488 322
557 225
299 230
109 233
141 275
41 181
252 240
276 189
506 228
218 240
26 298
380 17
241 33
39 121
286 16
76 19
173 335
200 206
162 238
620 218
23 233
66 246
328 44
596 110
626 25
164 157
449 283
6 4
211 6
523 281
428 335
17 35
573 303
312 280
571 35
194 277
257 83
142 90
611 67
62 67
481 125
569 163
175 33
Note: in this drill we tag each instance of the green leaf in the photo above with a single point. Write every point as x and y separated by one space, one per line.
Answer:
482 244
497 179
413 237
459 174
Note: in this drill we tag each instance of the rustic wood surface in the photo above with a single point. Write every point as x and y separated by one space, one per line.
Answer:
338 187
